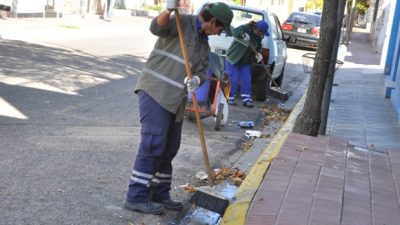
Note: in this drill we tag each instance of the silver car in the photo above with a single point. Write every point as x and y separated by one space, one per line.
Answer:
273 47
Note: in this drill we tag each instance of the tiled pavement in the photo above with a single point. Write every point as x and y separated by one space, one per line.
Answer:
325 181
359 111
351 175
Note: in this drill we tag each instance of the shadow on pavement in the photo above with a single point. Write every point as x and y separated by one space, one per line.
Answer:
43 82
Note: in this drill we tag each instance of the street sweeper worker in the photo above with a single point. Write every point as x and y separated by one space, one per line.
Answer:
240 57
162 90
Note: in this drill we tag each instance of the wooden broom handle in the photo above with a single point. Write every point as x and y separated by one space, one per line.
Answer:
194 99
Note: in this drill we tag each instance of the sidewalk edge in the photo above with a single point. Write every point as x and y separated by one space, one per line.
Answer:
236 212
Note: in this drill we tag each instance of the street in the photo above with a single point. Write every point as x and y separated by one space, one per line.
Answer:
70 128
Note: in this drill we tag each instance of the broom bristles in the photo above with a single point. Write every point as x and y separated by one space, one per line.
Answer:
210 201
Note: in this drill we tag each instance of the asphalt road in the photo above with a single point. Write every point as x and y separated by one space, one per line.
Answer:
69 122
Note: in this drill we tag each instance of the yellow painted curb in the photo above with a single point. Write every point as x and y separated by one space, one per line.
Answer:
236 212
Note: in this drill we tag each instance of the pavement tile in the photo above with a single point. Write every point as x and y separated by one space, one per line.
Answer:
325 211
351 177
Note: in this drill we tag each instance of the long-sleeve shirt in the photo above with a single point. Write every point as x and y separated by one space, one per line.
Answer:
164 72
240 52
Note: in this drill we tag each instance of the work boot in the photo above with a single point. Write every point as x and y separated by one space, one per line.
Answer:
171 204
248 104
145 207
232 102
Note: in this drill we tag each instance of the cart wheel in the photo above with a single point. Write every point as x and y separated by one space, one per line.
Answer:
220 116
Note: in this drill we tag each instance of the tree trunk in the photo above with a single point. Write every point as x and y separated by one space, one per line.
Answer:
309 120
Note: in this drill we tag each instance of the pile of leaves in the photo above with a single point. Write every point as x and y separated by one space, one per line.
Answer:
233 175
273 113
189 188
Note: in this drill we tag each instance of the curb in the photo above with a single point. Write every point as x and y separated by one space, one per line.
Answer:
236 212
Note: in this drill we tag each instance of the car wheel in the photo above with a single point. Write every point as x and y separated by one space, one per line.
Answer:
278 80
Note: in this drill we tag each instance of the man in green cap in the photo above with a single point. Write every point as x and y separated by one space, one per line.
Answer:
162 89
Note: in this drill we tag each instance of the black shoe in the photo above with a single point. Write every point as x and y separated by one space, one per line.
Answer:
248 104
232 102
172 205
145 207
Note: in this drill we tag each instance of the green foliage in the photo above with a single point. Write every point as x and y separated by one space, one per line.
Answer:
153 7
239 2
314 4
362 6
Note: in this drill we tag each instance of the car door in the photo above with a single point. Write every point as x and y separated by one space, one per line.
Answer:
280 45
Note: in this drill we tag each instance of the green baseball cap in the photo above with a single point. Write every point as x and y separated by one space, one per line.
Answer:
223 13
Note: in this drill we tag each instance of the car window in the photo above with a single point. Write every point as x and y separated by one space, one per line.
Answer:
241 17
305 18
273 30
278 29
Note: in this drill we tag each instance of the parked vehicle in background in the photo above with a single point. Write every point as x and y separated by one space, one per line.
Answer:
273 47
302 29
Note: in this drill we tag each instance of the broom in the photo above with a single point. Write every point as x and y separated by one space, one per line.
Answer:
204 197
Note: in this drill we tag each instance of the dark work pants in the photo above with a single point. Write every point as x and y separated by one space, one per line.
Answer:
160 141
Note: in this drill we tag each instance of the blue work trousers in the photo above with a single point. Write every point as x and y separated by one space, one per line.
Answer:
240 73
160 141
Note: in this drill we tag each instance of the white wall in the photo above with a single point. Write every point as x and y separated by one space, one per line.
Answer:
383 26
29 6
384 40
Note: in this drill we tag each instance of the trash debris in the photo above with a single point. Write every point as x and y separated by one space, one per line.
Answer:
188 187
246 124
302 148
273 113
252 134
246 146
201 175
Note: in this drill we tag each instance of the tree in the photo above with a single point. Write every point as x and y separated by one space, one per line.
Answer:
314 4
362 6
309 119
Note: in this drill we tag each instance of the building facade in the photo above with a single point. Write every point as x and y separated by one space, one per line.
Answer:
392 59
60 8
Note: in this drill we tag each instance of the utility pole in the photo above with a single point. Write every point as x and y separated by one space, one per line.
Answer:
326 100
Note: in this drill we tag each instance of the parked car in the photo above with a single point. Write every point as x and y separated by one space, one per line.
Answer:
302 29
273 47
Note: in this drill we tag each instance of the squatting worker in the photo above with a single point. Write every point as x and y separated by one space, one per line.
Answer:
162 91
240 57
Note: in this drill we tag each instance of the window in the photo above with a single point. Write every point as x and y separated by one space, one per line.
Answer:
273 30
279 31
242 17
305 18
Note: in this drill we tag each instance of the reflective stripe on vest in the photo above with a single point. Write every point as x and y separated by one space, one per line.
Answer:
164 78
170 55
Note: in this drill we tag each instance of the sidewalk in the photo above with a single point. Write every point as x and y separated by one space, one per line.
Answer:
349 176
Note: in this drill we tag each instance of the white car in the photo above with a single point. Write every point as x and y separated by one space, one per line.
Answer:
273 47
